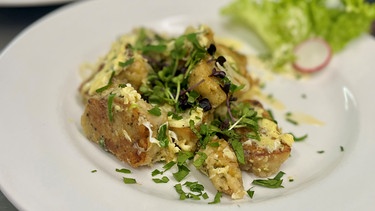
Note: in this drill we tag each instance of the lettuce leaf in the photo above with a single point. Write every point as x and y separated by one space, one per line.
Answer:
283 24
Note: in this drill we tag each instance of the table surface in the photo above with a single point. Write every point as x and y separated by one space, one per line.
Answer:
12 21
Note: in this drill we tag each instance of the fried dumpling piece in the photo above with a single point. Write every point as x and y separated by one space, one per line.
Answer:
222 167
126 129
109 74
264 157
263 162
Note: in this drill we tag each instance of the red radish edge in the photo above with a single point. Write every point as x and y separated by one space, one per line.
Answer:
320 46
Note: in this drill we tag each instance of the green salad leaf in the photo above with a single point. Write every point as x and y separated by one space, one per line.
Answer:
283 24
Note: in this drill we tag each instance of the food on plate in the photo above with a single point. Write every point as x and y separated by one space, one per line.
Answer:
285 24
153 97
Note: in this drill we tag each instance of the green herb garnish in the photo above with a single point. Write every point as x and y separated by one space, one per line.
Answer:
196 191
101 89
168 166
201 158
102 144
292 121
164 179
182 172
154 48
156 172
217 198
275 182
123 170
127 180
162 136
111 97
250 192
126 63
297 139
183 156
238 150
155 111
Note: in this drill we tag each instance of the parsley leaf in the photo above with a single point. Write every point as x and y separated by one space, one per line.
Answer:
155 111
126 63
162 136
125 171
127 180
182 172
296 139
275 182
111 97
196 191
164 179
217 198
238 150
101 89
183 156
200 159
250 192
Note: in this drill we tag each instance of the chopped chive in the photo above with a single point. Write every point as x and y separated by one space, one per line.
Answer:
155 111
182 172
101 89
238 150
199 161
275 182
162 136
183 156
126 63
294 122
216 199
127 180
111 97
178 188
123 170
296 139
250 192
341 148
93 171
164 179
156 172
169 165
154 48
320 151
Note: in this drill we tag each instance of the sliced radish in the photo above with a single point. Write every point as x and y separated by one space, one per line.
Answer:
312 55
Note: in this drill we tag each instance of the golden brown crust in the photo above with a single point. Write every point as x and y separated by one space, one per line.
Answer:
222 168
262 163
126 137
207 86
258 159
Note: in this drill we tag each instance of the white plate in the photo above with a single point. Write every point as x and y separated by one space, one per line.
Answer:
27 3
46 162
